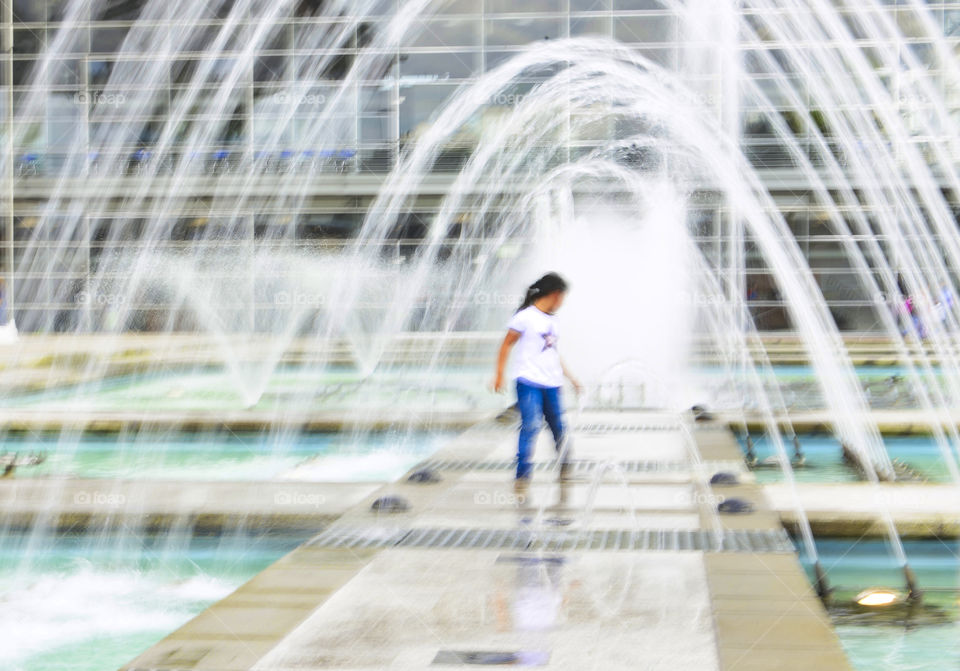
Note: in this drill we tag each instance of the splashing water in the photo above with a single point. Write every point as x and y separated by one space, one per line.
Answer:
594 171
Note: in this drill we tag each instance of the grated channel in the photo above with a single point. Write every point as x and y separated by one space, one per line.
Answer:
553 540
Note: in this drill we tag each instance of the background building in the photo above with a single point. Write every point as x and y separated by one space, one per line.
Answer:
81 45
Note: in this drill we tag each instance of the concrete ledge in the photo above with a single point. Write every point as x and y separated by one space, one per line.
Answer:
868 526
154 506
889 422
201 524
767 616
236 632
766 613
239 421
853 509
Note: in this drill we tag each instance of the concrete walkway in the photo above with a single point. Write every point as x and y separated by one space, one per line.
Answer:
625 567
79 505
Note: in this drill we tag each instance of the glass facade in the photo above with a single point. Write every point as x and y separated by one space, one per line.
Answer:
262 104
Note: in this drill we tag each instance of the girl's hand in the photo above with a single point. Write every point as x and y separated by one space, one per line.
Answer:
498 384
577 387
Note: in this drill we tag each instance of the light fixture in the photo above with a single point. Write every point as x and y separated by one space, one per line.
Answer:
878 597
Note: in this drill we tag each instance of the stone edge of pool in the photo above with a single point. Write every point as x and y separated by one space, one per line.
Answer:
889 422
22 420
89 505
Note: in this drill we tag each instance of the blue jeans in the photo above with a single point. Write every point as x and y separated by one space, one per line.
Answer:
535 404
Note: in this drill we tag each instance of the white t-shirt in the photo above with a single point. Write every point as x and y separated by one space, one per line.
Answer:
535 356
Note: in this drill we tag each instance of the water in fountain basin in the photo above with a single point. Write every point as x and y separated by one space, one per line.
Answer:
645 142
80 607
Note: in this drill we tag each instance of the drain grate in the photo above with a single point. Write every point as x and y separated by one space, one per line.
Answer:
618 427
554 540
583 466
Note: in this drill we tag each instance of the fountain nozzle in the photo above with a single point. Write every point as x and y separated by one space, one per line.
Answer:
914 593
751 454
798 457
824 591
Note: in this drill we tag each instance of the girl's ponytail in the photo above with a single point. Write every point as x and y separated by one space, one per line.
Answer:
546 285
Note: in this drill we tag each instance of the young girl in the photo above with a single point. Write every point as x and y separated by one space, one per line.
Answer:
538 368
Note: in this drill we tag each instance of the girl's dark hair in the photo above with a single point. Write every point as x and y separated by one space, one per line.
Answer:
546 285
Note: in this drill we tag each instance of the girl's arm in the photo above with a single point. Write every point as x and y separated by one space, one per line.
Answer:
509 341
577 387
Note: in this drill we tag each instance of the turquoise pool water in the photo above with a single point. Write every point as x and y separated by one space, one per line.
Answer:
824 462
94 603
925 639
305 388
328 457
883 386
863 372
288 389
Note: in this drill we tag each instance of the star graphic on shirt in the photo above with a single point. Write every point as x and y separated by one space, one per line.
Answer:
549 340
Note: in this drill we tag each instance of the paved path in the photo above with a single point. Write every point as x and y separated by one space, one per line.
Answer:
626 567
